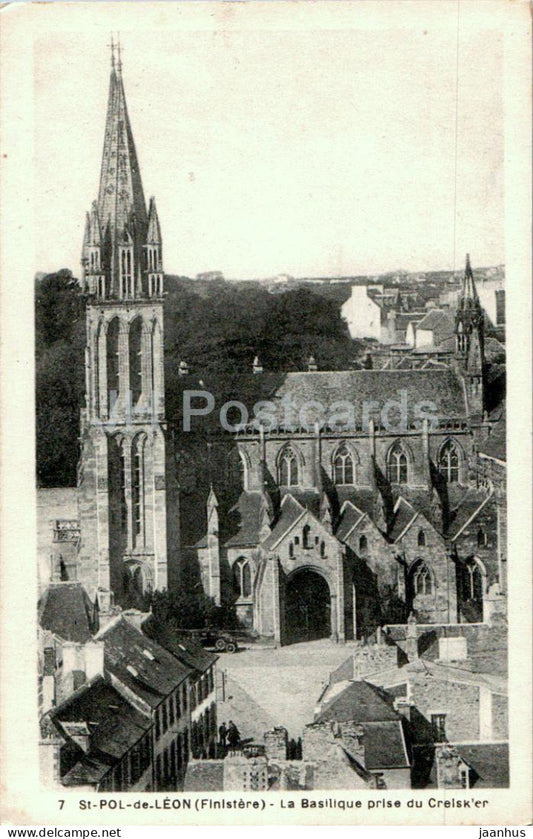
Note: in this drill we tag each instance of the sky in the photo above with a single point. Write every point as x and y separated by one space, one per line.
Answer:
307 151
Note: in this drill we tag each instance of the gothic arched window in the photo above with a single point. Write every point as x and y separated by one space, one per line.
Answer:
481 538
288 468
422 582
236 469
397 465
242 578
126 271
113 369
449 462
138 489
363 544
118 511
99 403
343 467
135 358
473 582
421 539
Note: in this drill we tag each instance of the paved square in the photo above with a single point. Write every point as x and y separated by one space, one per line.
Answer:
267 687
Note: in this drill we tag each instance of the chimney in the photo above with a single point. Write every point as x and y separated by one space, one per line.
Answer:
48 699
94 659
257 367
105 607
276 740
311 365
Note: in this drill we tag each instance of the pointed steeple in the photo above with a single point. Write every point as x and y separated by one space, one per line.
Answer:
469 291
153 237
94 235
121 203
470 339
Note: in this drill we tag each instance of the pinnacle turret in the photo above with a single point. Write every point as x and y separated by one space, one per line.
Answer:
153 237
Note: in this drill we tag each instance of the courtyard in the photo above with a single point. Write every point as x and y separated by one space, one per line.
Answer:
266 687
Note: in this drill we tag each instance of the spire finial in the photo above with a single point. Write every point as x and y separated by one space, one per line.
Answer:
119 53
112 47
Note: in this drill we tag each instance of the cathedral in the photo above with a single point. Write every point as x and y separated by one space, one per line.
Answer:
306 533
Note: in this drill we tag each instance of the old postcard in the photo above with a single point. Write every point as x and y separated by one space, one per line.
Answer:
266 301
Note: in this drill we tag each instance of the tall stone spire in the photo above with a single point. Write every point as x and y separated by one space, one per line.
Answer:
125 479
470 339
121 206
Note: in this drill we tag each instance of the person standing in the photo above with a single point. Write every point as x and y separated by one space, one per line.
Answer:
222 734
234 738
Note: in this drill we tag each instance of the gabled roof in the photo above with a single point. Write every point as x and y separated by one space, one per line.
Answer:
495 445
437 670
66 610
359 702
470 507
184 649
141 664
114 726
246 514
489 761
438 319
291 512
350 517
385 746
404 516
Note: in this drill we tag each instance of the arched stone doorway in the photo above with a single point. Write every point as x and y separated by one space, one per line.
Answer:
136 585
307 607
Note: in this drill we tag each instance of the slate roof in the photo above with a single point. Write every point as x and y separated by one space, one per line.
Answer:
385 746
154 672
363 499
438 319
490 762
472 503
496 444
246 514
443 672
114 726
204 776
359 702
66 610
291 510
443 387
186 650
350 516
404 514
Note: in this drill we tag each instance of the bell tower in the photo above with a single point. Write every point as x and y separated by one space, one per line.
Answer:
122 470
469 340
